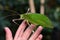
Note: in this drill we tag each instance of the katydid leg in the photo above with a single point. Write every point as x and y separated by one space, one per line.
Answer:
14 20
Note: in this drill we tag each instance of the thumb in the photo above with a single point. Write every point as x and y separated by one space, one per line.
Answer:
8 33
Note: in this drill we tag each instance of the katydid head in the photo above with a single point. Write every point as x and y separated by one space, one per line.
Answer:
23 16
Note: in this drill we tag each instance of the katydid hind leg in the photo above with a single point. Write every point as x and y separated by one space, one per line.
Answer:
29 25
28 22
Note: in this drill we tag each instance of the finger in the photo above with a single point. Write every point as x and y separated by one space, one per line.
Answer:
37 32
28 32
20 29
39 37
8 34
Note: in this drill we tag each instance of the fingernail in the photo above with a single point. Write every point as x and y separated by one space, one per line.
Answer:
5 28
40 36
40 27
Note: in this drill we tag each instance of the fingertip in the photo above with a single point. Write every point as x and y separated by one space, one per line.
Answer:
40 27
6 28
40 36
25 22
32 25
8 33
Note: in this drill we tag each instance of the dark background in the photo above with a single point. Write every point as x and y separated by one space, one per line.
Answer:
12 7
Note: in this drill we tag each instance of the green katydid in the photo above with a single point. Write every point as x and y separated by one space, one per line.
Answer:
37 19
34 18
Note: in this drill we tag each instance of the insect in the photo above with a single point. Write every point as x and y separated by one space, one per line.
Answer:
37 19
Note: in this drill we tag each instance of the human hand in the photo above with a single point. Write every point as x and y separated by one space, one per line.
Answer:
24 35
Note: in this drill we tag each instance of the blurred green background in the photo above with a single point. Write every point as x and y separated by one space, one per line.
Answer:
11 7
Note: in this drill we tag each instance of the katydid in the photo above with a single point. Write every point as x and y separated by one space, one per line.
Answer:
34 18
37 19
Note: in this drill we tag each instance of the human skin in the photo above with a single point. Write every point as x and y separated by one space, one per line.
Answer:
24 35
